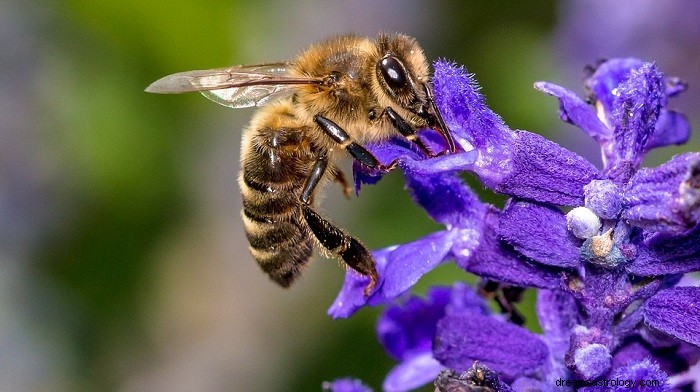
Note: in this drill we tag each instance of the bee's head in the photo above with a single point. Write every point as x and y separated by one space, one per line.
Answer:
401 70
402 81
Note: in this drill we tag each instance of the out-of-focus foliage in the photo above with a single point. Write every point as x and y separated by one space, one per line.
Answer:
124 266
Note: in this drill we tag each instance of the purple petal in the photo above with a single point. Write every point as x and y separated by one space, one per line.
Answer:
676 311
506 348
574 110
607 77
671 128
495 260
351 297
475 128
665 198
446 199
412 373
407 329
346 385
472 123
665 256
539 232
546 172
408 263
636 109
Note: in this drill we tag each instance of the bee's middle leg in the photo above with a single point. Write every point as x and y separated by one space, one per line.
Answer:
332 238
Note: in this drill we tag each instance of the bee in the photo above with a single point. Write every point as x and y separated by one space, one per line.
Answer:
335 96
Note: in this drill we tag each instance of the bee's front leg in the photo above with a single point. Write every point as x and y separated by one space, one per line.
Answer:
406 130
345 141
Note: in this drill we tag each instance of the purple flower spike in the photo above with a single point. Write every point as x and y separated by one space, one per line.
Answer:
676 311
605 248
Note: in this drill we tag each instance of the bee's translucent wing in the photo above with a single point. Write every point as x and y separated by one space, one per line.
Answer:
247 96
235 87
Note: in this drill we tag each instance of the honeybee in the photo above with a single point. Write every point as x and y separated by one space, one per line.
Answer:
334 96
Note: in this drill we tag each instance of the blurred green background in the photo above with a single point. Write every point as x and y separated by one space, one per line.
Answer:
124 264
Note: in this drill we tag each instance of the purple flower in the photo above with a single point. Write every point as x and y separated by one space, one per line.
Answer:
607 270
346 385
406 331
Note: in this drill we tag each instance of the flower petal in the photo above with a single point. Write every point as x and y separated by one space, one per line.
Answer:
506 348
671 128
665 198
351 297
607 77
665 256
636 108
412 373
406 264
574 110
471 122
399 268
446 199
676 311
410 327
495 260
545 172
539 232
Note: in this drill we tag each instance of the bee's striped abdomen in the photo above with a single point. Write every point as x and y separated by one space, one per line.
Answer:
274 169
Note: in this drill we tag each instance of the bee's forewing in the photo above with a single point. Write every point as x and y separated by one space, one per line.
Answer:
243 97
237 87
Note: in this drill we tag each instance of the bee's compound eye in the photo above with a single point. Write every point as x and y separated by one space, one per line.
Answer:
393 72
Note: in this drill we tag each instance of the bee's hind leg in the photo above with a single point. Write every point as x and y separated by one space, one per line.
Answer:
332 238
353 253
